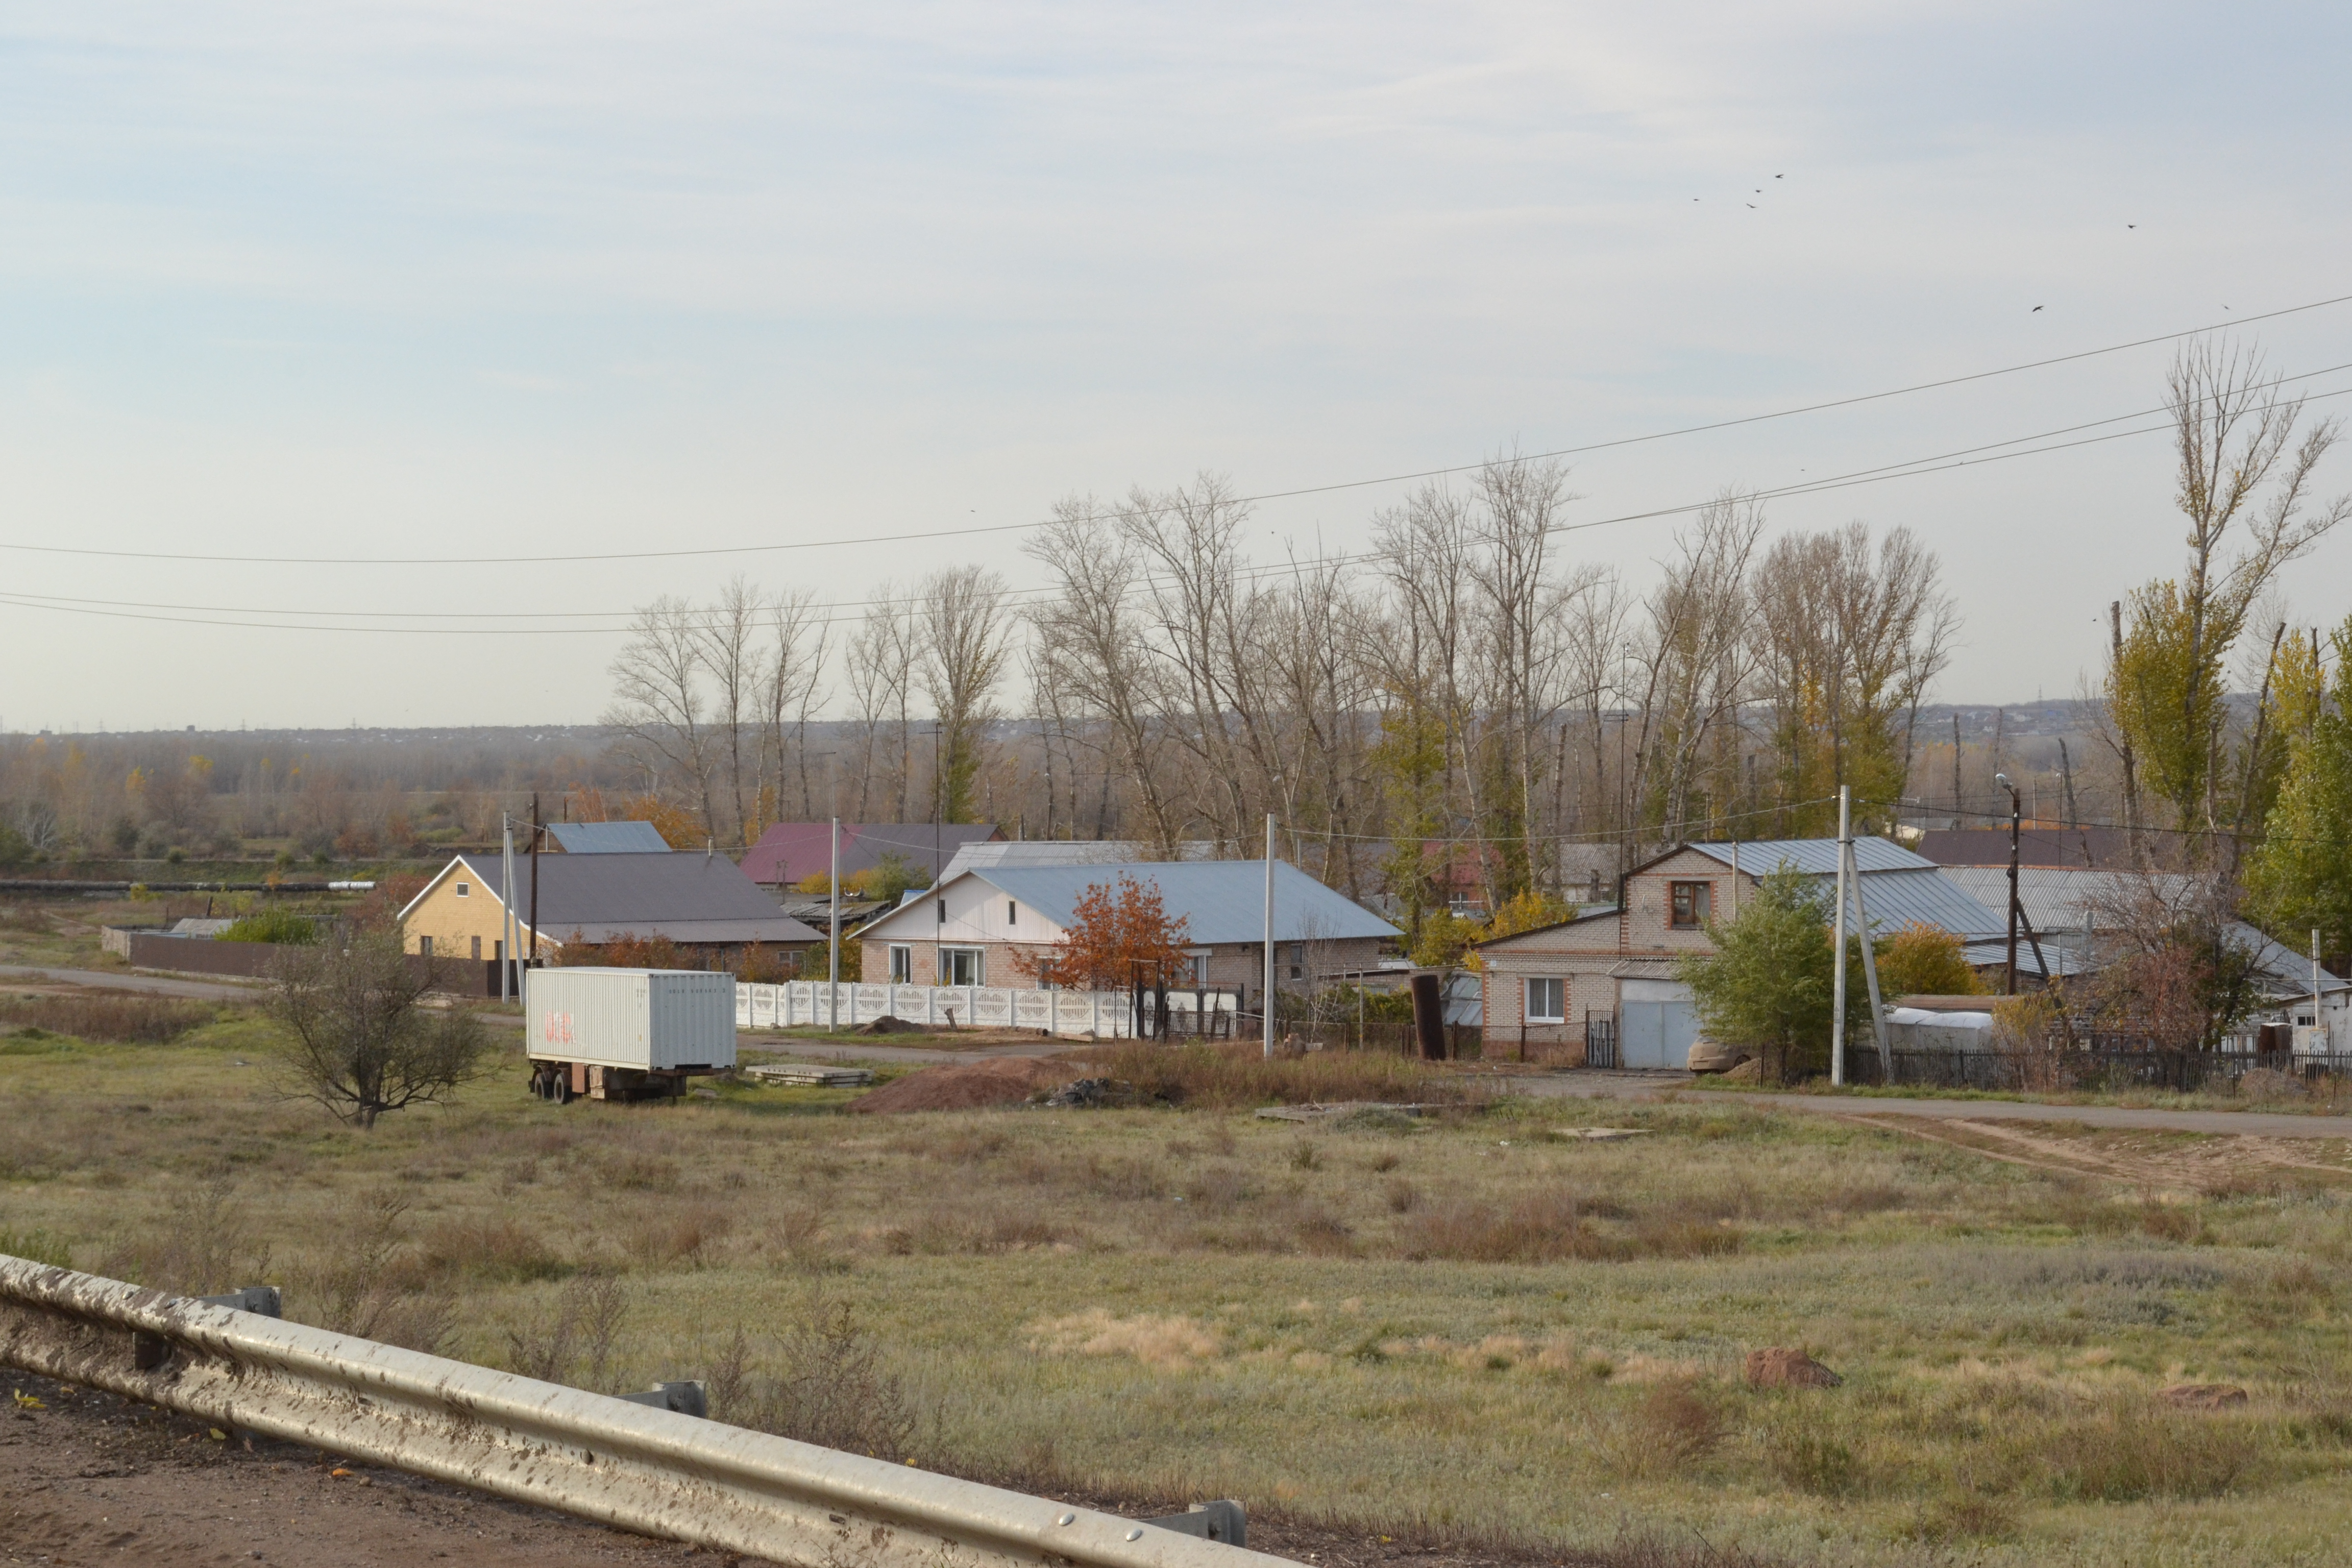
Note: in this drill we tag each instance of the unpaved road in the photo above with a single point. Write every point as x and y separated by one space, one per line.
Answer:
92 1479
156 985
2256 1123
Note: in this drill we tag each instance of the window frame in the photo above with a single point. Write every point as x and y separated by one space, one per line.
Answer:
902 964
465 890
1701 893
1528 999
948 956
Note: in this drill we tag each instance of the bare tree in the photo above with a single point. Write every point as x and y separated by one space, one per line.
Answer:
1093 650
790 687
657 710
881 685
1691 663
724 641
965 649
355 1039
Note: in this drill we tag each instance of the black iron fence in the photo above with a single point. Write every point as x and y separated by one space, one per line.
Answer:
1600 1040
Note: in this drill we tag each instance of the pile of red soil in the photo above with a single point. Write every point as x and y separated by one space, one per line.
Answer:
967 1086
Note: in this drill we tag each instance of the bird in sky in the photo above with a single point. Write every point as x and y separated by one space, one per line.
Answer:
2035 308
2131 226
1751 206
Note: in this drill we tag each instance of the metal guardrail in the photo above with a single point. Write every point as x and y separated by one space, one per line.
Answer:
645 1469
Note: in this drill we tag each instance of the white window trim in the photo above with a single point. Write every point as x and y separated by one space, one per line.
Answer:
465 890
902 959
1528 1003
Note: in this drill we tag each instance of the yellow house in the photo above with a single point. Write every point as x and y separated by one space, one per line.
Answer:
702 902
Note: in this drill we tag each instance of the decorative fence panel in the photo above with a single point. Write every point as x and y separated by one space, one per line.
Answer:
804 1004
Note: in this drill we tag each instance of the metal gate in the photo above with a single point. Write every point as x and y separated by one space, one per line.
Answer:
1656 1035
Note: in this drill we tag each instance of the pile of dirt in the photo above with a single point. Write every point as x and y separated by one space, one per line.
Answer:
967 1086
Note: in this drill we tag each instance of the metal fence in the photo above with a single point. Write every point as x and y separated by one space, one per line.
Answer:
647 1469
2091 1067
1600 1040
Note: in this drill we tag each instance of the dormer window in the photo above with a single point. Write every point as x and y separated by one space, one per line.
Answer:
464 891
1689 904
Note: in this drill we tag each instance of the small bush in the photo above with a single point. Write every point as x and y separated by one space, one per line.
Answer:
1678 1426
272 925
823 1382
577 1338
1961 1517
372 1282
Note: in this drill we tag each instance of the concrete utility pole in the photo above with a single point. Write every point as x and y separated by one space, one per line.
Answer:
506 903
2318 1023
1837 1006
535 831
833 943
2016 813
1267 1007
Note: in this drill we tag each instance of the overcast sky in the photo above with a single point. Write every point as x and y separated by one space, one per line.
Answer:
492 279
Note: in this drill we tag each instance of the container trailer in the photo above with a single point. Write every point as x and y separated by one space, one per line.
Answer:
625 1034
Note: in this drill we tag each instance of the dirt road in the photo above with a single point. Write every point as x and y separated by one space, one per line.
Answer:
155 985
2253 1123
89 1478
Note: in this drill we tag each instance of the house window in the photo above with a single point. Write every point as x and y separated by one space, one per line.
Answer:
1199 965
1690 904
959 966
942 907
465 890
478 947
1012 914
1546 1001
902 965
1298 960
425 946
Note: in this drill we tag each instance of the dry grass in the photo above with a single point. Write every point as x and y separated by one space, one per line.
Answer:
108 1017
1233 1076
1454 1327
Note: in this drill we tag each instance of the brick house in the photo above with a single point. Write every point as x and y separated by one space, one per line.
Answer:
700 902
1616 969
967 931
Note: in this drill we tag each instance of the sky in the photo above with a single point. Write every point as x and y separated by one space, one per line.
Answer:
448 283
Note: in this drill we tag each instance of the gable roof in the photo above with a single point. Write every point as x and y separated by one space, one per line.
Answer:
1816 856
789 852
609 837
1219 901
982 854
1606 914
686 897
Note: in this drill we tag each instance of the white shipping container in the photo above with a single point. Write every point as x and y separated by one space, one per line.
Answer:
655 1020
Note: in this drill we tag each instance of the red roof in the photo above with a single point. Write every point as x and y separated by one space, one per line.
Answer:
790 852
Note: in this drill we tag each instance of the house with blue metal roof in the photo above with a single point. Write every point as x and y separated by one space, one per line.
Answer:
972 928
1605 988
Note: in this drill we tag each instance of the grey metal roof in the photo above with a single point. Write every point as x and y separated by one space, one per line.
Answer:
609 837
2056 898
1816 857
2062 957
684 897
1219 901
1893 898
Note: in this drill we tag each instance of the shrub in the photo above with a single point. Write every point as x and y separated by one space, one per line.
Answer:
823 1382
272 925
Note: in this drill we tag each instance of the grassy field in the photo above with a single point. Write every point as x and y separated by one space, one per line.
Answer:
1475 1323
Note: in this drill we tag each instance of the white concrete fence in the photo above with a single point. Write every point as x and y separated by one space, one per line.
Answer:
1106 1014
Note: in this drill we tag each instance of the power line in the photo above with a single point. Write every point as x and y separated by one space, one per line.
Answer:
979 529
1969 457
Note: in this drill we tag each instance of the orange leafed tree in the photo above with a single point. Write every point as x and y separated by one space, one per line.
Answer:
1113 930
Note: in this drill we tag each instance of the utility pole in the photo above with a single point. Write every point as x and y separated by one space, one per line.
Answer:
2016 813
833 943
1267 1007
506 902
535 831
2318 1024
1956 770
1837 1008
